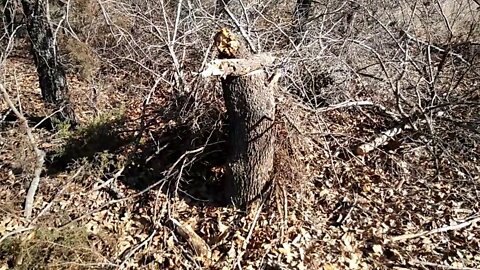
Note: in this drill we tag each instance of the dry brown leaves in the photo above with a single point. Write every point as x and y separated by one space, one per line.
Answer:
332 210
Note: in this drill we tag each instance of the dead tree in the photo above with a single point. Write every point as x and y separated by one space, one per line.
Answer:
301 13
249 99
51 74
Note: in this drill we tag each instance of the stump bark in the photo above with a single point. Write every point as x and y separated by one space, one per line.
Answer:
250 104
251 113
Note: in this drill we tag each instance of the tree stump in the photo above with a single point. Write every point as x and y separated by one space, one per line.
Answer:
250 104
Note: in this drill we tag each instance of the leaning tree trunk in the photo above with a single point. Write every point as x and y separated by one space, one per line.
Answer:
52 79
249 99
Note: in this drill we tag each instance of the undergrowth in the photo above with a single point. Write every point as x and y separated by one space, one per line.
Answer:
49 248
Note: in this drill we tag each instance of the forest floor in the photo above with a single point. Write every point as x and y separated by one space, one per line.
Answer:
104 203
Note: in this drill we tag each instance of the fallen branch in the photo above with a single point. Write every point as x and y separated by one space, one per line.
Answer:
17 231
438 230
384 137
200 247
457 55
40 155
161 182
406 123
442 266
383 110
381 139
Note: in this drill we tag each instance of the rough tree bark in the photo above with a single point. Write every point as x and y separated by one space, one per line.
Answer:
249 99
51 74
251 112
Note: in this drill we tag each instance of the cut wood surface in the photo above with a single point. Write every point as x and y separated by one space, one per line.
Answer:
250 103
238 67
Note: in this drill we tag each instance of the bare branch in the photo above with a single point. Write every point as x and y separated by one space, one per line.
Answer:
199 245
40 155
242 30
438 230
380 139
441 266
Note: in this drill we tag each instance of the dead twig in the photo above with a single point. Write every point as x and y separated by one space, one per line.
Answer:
242 30
145 242
199 245
442 266
17 231
45 209
101 184
438 230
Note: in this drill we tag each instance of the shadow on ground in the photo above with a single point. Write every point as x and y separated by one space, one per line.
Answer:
106 134
173 148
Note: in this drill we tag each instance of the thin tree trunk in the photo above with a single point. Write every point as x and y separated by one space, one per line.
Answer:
51 73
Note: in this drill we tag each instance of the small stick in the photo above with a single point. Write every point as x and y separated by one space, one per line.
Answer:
242 30
144 242
438 230
199 245
252 228
101 184
45 209
417 262
17 231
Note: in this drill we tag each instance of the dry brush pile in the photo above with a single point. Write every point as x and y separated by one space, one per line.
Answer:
377 149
